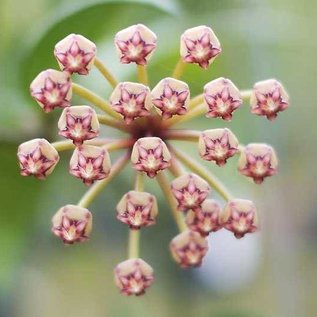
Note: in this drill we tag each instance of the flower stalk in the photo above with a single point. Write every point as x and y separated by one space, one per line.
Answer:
179 69
105 72
165 187
200 170
96 189
142 74
94 99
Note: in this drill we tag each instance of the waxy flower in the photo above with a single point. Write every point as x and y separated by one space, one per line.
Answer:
150 155
78 123
90 163
240 217
135 44
133 276
268 98
171 97
75 54
206 219
199 45
190 191
217 145
72 224
144 142
137 209
37 157
51 89
258 160
221 98
188 249
131 100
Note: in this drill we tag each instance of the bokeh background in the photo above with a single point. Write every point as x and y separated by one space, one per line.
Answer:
270 274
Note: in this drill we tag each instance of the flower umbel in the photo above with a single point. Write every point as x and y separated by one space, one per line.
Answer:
146 119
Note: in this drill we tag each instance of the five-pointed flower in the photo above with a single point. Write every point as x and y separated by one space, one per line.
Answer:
135 44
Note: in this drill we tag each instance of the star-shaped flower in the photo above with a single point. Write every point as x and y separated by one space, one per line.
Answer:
268 98
221 97
78 123
199 45
37 157
218 145
258 161
171 97
51 89
135 44
75 54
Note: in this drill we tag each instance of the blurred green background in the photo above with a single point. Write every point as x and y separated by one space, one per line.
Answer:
271 274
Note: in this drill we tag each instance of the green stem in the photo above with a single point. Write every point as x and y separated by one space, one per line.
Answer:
94 99
179 69
95 189
139 182
195 112
200 170
196 101
142 75
105 72
165 186
134 243
104 119
182 135
62 146
246 94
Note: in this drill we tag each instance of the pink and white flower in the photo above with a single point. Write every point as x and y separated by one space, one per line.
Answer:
221 98
150 155
188 249
199 45
190 191
217 145
268 98
171 97
240 217
78 123
258 160
137 209
133 276
206 219
51 89
135 44
72 224
131 100
37 157
90 163
75 54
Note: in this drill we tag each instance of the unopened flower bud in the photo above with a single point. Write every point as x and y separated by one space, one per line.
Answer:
131 100
78 123
37 157
188 249
135 44
90 163
268 98
217 145
137 209
206 219
221 97
75 54
150 155
190 191
51 89
258 160
133 276
72 224
171 97
199 45
240 217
